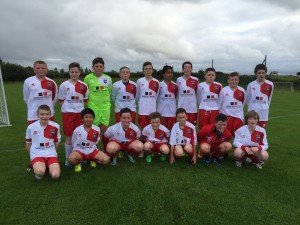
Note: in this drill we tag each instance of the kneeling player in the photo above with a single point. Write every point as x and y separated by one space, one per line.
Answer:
124 136
251 141
156 136
183 138
42 138
214 140
84 140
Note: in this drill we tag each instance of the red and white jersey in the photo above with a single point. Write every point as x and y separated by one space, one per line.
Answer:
84 141
231 102
43 139
124 95
208 95
118 134
73 96
244 138
37 93
159 136
184 136
166 101
147 93
187 93
208 134
258 98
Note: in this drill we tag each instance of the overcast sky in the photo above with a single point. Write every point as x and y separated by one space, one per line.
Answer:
236 34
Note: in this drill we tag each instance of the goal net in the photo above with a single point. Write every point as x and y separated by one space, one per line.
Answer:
284 86
4 117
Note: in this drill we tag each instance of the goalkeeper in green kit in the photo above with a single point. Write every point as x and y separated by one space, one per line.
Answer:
100 87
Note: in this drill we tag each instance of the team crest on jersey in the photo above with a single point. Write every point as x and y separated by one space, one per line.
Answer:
52 132
82 87
119 88
226 94
68 89
35 132
79 135
32 84
257 137
243 136
160 137
105 81
49 84
94 136
253 88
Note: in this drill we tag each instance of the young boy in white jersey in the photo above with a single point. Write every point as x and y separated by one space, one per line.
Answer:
123 136
251 141
166 101
124 94
42 139
187 92
208 95
72 95
39 90
84 141
259 94
147 93
231 102
183 138
156 136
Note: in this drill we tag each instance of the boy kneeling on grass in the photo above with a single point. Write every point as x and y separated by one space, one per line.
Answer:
84 140
42 138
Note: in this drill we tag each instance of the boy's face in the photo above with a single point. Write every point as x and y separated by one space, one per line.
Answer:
125 119
88 120
40 70
210 77
98 68
221 126
44 115
74 73
187 69
168 74
252 121
125 74
233 81
155 123
148 70
181 118
261 74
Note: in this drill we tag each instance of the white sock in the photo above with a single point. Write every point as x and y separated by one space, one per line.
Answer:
68 150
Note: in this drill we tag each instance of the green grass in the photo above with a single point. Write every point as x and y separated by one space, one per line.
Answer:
157 193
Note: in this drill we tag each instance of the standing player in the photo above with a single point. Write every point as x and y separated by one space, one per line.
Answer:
123 136
147 93
72 95
42 139
166 101
208 94
124 93
214 140
156 136
183 138
39 90
84 140
251 141
231 102
187 92
259 94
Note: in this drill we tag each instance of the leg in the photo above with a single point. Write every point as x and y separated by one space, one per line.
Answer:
75 158
112 147
225 147
188 148
148 146
136 146
263 156
205 148
39 169
54 170
102 158
178 151
164 149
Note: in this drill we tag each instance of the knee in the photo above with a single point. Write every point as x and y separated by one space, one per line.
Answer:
178 151
225 147
111 148
205 149
106 159
139 147
40 171
188 148
264 156
147 146
55 174
238 153
165 149
73 159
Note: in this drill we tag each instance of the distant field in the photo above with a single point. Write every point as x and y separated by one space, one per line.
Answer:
157 193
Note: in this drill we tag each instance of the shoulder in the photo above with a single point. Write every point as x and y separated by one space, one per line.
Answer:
132 82
241 89
49 80
53 124
163 128
269 82
106 76
194 78
96 128
190 125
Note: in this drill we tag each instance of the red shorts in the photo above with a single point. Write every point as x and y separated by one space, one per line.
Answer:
32 121
46 160
192 118
88 157
263 124
117 117
168 122
70 122
206 117
125 147
234 123
156 147
143 121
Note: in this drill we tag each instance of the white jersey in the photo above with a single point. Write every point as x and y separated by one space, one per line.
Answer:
160 136
231 102
147 93
124 95
166 101
37 93
208 95
73 96
243 138
184 136
118 134
187 93
84 141
43 139
258 98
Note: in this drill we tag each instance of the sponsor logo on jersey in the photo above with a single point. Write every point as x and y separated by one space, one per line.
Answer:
104 81
32 84
35 132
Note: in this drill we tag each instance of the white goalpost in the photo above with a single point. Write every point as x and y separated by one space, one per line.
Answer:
4 117
284 86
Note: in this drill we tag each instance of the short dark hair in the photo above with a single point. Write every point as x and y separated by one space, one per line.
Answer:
74 64
87 111
165 68
125 110
187 63
260 67
98 60
43 107
251 114
221 117
209 69
155 115
180 111
124 67
147 63
233 74
39 62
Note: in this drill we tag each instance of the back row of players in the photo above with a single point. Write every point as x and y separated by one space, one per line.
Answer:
220 114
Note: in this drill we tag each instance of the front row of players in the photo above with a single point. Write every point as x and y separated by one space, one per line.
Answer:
43 136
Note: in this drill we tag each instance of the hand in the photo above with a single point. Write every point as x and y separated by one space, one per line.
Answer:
172 159
194 159
248 150
254 149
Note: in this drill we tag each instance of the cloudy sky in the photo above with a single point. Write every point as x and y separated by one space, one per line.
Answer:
236 34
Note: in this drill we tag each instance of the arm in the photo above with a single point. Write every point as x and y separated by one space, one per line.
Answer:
58 138
199 95
61 94
172 158
26 92
248 95
113 94
28 139
221 100
138 91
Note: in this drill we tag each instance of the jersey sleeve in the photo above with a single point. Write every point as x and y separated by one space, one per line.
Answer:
138 132
61 93
74 138
28 135
221 99
138 91
109 133
54 93
198 94
113 94
271 95
26 92
195 136
157 94
172 137
264 146
248 94
58 135
237 142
